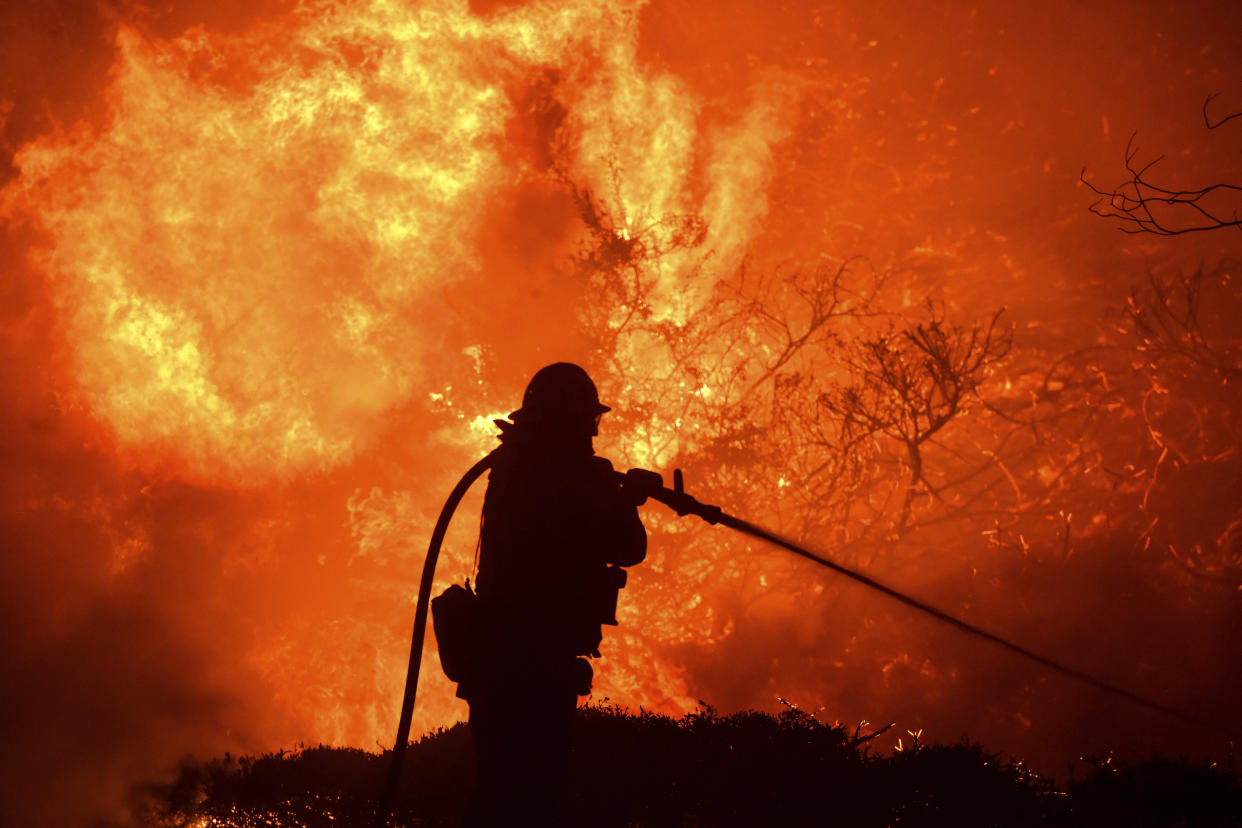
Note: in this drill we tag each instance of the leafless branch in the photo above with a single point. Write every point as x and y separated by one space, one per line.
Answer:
1223 120
1145 207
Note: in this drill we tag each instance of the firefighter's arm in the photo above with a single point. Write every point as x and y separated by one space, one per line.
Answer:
624 539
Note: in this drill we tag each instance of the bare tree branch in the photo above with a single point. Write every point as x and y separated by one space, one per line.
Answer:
1142 206
1223 120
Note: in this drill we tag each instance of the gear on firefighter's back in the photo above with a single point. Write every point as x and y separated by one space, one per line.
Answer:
460 631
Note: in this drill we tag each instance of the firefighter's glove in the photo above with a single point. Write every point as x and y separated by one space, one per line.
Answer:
640 484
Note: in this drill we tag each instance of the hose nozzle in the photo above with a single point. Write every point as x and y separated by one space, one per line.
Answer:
649 484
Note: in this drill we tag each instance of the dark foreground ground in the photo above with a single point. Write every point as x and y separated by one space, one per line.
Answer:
748 769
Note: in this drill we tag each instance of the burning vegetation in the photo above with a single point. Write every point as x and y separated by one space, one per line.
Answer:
272 271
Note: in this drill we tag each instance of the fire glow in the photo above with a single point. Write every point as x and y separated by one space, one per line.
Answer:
295 270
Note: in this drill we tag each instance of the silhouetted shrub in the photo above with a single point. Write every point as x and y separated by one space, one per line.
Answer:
706 771
1159 793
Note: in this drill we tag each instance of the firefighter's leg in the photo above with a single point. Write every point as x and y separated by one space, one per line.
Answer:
522 743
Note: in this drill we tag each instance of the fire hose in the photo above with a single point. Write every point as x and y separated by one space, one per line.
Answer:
420 630
683 504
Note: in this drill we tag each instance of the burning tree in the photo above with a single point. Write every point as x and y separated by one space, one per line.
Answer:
1187 359
818 398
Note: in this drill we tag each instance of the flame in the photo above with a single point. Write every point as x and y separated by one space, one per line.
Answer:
241 270
246 252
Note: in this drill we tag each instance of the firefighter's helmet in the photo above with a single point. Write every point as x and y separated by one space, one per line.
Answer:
561 392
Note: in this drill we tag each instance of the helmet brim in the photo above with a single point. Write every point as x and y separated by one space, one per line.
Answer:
600 408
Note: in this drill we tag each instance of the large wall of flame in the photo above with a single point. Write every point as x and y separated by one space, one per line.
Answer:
270 273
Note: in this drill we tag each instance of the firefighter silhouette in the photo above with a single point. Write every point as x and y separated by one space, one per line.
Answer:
558 523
